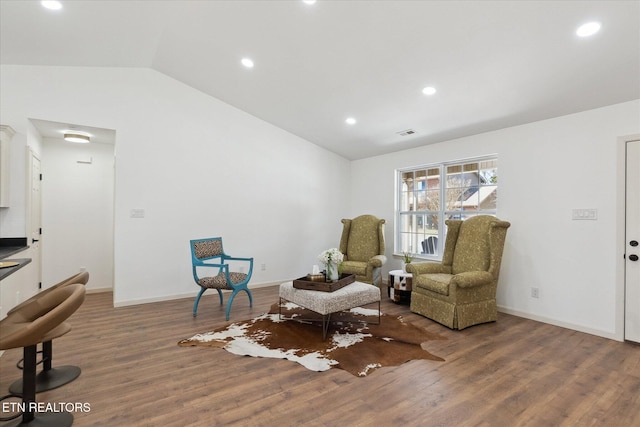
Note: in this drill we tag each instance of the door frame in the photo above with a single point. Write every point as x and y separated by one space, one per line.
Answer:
621 180
36 249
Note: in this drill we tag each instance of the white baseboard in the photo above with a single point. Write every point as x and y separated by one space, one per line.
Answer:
191 294
555 322
98 290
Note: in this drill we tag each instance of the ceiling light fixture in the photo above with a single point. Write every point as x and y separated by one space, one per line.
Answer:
588 29
52 5
247 62
429 90
350 121
309 1
75 136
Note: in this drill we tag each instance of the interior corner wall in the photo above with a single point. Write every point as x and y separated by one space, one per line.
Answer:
545 169
197 167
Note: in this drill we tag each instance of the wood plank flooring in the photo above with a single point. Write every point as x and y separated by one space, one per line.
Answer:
514 372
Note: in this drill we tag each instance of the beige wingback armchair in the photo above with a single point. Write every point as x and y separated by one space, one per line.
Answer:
461 291
362 244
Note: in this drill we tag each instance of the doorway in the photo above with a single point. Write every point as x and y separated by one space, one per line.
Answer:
77 204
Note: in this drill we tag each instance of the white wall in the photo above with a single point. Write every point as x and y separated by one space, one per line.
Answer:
546 169
198 167
77 212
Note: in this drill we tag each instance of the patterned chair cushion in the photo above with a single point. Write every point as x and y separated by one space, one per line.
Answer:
438 283
472 249
354 267
208 249
363 243
220 281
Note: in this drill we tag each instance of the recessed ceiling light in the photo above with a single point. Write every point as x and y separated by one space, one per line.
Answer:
309 1
429 90
247 62
350 121
77 136
588 29
53 5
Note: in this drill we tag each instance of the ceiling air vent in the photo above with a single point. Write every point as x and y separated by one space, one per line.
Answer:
406 132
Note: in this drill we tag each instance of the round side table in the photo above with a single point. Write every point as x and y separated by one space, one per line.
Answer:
399 286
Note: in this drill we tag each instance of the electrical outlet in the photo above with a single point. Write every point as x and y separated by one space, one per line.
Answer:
263 267
535 292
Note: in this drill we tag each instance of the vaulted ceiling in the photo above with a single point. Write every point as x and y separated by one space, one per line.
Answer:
494 64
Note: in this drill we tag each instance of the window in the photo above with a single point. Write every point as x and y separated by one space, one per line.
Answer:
428 195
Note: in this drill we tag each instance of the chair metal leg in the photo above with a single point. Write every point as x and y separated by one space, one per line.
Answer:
325 325
50 377
29 418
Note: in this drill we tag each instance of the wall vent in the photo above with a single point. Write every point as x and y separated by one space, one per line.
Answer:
406 132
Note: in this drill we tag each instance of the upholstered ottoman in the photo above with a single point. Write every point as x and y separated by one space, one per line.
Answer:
353 295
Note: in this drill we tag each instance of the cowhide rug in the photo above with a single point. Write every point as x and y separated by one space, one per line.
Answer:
352 345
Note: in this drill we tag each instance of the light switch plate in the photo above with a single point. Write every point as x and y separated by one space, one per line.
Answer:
137 213
579 214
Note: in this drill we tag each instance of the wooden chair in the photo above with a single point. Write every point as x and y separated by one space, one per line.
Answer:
211 249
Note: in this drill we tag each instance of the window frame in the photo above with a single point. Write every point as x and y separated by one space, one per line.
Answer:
412 213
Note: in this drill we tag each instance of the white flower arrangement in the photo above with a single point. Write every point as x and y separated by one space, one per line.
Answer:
332 255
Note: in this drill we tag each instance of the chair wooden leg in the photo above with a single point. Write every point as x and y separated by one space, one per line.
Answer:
233 295
250 296
195 304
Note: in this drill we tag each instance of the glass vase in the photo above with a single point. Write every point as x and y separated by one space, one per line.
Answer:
332 272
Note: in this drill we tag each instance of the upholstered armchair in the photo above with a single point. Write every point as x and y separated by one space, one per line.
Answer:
362 244
461 290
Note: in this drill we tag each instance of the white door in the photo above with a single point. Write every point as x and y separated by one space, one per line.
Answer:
632 243
35 224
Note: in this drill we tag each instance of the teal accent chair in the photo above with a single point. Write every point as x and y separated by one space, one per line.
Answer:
211 249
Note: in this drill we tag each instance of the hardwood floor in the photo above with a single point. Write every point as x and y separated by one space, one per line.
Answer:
514 372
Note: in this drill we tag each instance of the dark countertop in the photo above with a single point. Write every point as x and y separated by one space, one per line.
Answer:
4 272
12 245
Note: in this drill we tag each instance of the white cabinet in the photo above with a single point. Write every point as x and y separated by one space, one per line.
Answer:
20 285
6 134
